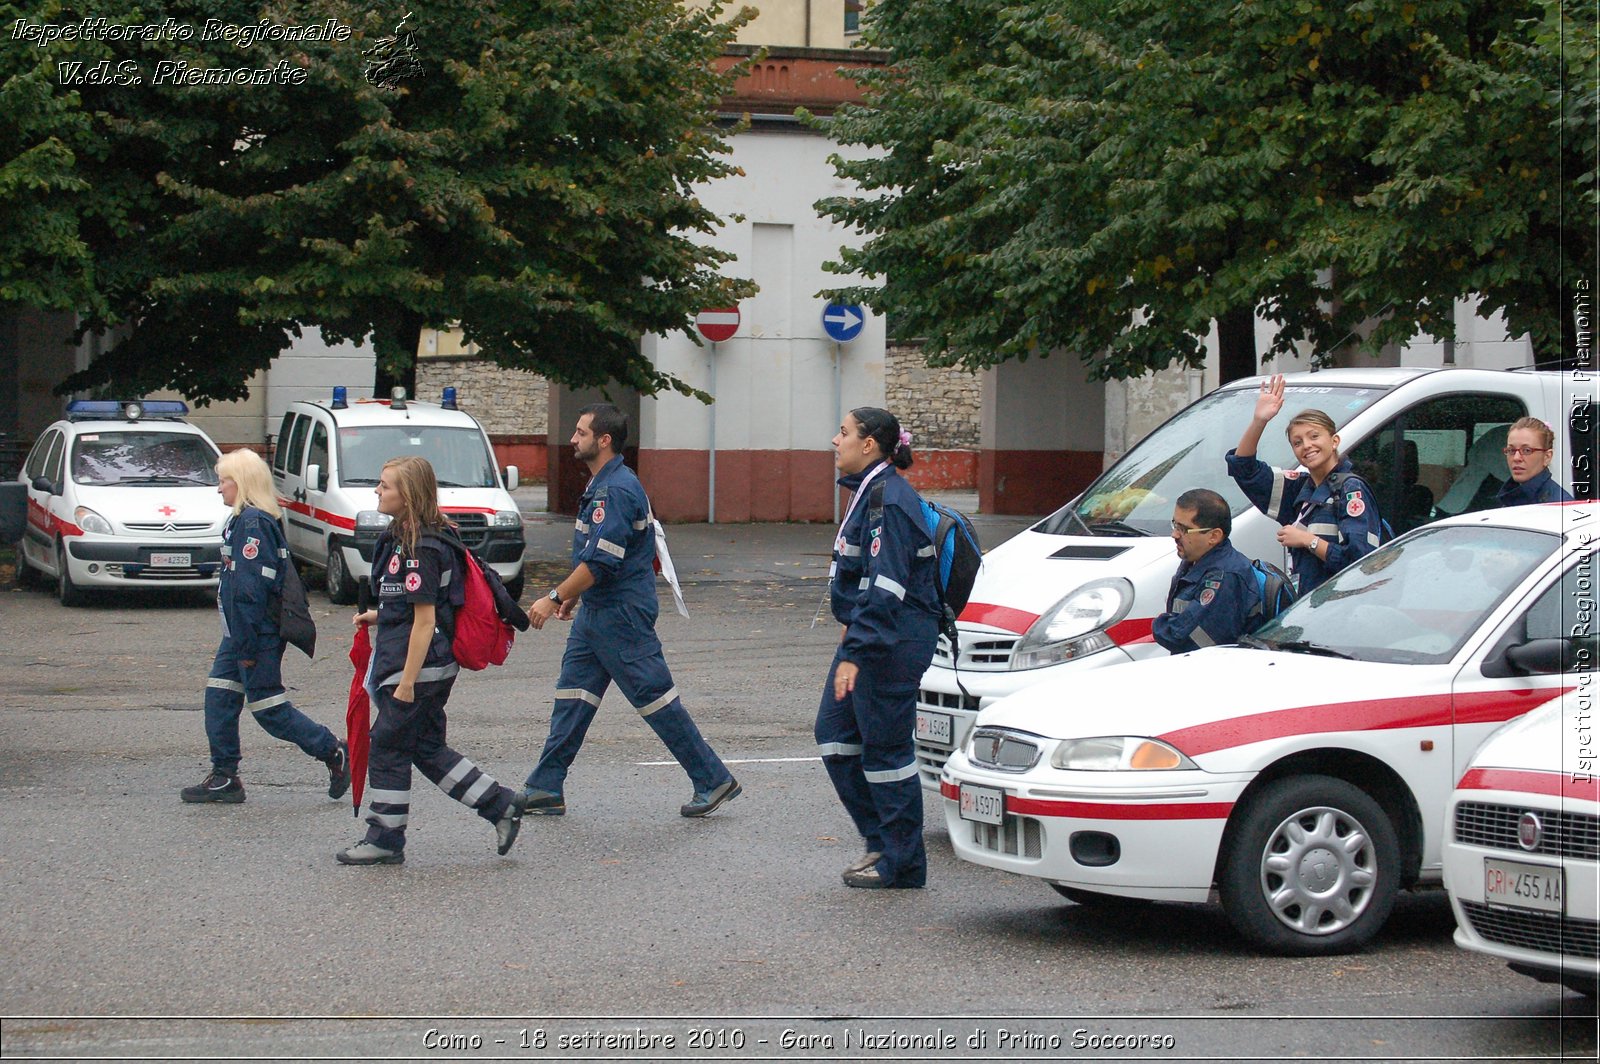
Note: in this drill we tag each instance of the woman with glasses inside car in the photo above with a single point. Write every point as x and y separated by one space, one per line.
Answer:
1528 449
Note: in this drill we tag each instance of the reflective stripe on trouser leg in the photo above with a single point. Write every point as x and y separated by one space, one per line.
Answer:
885 702
469 785
224 700
646 682
388 811
839 742
579 688
269 704
677 731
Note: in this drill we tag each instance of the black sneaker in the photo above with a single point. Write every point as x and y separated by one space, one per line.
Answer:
542 803
506 828
706 802
366 853
217 787
338 764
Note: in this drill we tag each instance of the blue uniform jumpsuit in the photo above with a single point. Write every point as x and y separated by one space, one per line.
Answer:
413 733
1541 487
253 557
1209 603
614 638
1349 524
883 591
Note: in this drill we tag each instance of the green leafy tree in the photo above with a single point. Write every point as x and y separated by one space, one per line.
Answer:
524 169
1109 177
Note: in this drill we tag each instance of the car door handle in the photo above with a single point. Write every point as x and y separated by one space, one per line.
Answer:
299 494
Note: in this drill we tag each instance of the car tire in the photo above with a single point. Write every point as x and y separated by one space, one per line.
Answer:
341 585
67 593
1311 868
515 586
1097 900
27 575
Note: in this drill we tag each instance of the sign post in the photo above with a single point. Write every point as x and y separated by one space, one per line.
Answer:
842 322
716 324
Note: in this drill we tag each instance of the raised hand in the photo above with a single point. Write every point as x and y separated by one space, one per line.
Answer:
1270 399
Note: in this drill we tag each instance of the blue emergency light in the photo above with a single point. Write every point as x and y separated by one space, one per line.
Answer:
131 409
339 394
449 400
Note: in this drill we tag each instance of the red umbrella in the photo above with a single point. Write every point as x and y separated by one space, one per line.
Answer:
358 716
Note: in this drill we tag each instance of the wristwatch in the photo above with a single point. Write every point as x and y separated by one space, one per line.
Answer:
554 596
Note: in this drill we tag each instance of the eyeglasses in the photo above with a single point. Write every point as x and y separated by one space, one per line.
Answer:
1523 452
1185 529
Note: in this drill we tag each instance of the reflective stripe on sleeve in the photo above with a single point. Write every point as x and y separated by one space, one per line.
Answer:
664 700
611 548
640 526
1179 605
444 577
1275 501
1373 539
269 572
892 775
850 550
1322 528
578 693
893 588
581 526
839 749
1201 639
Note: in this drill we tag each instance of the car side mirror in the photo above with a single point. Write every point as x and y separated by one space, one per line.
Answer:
511 477
314 479
46 485
1542 657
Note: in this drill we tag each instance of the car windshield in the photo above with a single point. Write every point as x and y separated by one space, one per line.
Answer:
1135 496
459 457
1415 601
143 456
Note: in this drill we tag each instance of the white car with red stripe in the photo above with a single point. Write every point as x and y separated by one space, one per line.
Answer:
1078 591
325 466
1304 774
1522 860
121 495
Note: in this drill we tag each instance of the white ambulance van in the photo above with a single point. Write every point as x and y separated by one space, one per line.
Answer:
1080 589
325 466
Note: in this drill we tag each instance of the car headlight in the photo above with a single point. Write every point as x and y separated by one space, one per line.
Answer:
1075 626
507 519
1118 753
90 521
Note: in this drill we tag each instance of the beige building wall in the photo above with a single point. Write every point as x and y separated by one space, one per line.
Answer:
794 24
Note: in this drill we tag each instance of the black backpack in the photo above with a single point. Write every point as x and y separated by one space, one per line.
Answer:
957 556
1275 592
291 609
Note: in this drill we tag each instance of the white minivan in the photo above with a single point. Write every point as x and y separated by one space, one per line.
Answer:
326 463
1080 589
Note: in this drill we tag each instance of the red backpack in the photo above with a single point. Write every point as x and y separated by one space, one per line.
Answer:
487 620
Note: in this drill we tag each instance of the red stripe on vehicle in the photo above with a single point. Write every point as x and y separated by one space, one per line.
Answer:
1132 630
468 510
1419 711
1104 810
50 524
1018 621
1579 786
317 514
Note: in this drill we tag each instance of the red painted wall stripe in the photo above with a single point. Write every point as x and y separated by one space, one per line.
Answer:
1556 784
1422 711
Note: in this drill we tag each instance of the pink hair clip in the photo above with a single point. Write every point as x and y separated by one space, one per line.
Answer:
905 438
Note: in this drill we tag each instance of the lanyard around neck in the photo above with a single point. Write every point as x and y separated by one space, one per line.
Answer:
861 490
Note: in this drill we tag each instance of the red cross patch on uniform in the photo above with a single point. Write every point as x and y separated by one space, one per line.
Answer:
1207 596
876 544
1291 474
1354 504
413 581
252 547
599 515
394 564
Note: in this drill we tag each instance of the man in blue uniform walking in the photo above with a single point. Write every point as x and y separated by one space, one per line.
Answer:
1214 590
614 634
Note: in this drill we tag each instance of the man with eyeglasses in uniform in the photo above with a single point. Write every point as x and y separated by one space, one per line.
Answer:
1214 591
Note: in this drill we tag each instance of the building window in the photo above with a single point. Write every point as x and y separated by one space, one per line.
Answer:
852 16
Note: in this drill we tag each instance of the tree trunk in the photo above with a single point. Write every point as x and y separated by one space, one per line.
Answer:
1236 344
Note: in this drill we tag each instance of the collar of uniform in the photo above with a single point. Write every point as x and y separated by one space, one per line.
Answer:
604 473
852 481
1343 467
1527 489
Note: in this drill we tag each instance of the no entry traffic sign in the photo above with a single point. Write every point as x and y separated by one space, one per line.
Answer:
717 323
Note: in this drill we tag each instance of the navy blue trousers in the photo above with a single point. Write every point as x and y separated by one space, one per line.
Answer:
234 687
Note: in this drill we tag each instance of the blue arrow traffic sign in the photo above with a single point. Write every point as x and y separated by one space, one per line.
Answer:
842 322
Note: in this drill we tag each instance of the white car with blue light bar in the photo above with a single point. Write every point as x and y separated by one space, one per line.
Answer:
1078 591
1303 775
121 494
1522 863
325 466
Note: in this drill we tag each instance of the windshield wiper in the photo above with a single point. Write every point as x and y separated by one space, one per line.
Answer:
1305 646
455 484
1073 513
360 480
149 480
1116 528
1255 644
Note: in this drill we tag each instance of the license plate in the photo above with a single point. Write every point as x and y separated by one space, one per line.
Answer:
935 727
983 804
177 561
1524 886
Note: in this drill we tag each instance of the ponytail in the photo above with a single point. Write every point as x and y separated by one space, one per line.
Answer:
884 427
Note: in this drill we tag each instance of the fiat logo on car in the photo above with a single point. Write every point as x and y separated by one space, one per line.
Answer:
1529 831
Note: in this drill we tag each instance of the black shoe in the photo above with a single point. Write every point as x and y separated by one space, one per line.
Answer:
506 828
217 787
862 863
867 878
542 803
706 802
338 764
365 853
